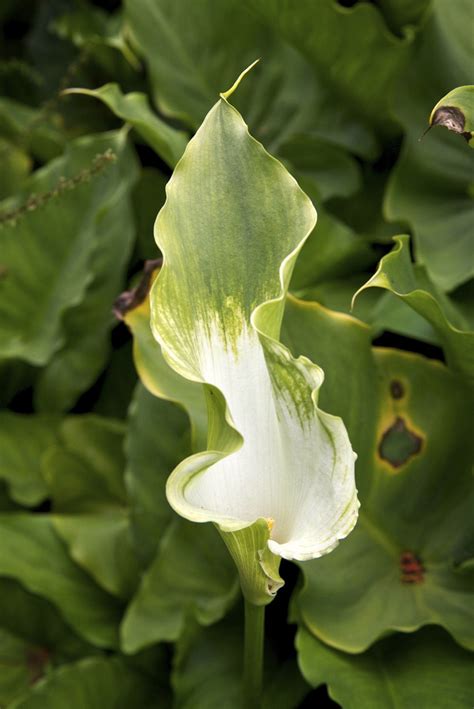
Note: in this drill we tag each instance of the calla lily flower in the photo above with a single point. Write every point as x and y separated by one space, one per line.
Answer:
277 477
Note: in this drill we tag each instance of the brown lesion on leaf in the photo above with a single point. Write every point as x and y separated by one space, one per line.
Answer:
130 299
399 443
451 118
412 570
397 390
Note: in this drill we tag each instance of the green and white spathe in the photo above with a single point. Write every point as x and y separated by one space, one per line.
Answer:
277 477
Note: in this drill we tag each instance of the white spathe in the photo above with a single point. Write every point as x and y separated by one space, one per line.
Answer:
297 471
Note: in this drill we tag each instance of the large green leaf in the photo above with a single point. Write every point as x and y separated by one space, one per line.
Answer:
32 554
33 640
230 231
167 142
23 441
56 301
157 439
351 49
87 325
408 417
431 185
426 669
397 274
191 577
85 475
384 312
94 683
325 170
191 69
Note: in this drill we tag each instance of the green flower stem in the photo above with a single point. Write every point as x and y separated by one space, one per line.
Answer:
253 654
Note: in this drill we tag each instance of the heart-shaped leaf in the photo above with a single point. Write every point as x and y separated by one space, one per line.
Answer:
408 418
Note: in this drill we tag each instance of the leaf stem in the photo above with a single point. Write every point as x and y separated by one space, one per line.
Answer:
253 655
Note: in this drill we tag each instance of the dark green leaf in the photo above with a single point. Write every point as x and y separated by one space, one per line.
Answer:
157 439
397 274
408 420
86 479
23 441
32 554
94 683
192 576
426 669
430 185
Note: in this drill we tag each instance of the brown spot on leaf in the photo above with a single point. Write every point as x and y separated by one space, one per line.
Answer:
396 389
452 118
399 444
411 569
130 299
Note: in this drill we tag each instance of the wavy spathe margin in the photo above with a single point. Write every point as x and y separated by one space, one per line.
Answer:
217 307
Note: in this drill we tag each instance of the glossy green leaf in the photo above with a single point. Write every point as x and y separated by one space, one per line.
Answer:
396 274
341 44
157 439
384 312
191 577
23 441
419 670
408 418
192 69
169 143
187 75
455 111
86 479
216 310
80 283
94 683
32 553
87 325
430 188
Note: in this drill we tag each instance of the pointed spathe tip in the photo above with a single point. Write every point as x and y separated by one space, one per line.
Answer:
226 94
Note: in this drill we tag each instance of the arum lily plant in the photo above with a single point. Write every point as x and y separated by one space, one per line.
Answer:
277 477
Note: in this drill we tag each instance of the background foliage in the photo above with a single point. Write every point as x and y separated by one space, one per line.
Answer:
107 598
